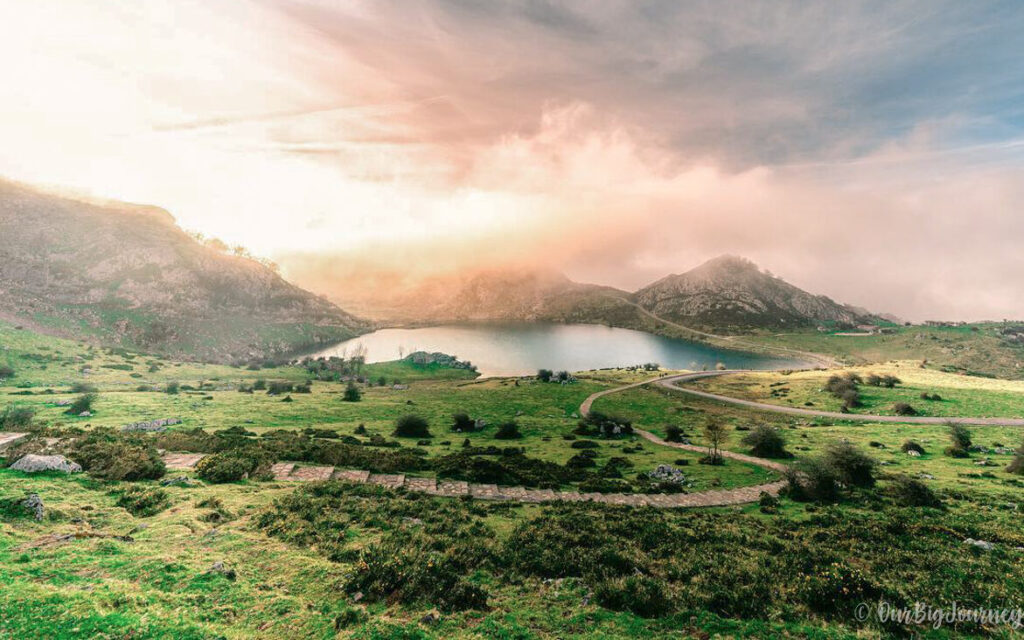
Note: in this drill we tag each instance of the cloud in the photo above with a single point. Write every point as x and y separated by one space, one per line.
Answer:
869 151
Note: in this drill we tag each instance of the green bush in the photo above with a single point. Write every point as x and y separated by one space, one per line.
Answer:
84 387
767 442
853 467
228 466
6 372
508 431
960 440
673 433
605 426
144 502
1017 464
911 492
412 426
82 404
109 455
911 445
904 409
14 417
352 393
645 596
461 422
814 480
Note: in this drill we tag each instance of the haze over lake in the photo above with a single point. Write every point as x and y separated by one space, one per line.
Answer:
522 349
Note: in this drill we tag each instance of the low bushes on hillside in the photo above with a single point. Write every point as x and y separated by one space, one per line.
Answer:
143 502
508 431
960 440
597 424
232 466
15 417
109 455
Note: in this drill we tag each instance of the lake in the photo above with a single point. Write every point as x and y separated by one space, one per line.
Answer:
522 349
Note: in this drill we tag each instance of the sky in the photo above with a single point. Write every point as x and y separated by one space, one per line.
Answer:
869 151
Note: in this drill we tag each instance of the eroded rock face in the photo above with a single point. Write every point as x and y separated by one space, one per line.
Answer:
32 463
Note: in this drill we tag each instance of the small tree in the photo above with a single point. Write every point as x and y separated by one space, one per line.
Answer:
82 404
767 442
716 433
352 393
412 426
960 440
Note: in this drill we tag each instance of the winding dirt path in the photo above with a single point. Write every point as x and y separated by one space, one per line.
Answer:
673 383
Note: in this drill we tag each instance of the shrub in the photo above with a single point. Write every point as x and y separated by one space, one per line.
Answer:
6 373
84 387
853 467
508 431
82 404
227 466
911 492
904 409
544 375
352 393
15 417
461 422
643 595
108 455
1017 464
276 388
890 381
584 444
144 502
767 442
172 388
673 433
259 385
911 445
813 480
412 426
960 440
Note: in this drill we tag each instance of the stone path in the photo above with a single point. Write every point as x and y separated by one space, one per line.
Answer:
292 472
10 437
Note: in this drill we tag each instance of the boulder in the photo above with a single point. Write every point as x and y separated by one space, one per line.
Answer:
34 503
32 463
981 544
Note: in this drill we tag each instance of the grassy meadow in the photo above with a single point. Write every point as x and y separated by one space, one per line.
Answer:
254 558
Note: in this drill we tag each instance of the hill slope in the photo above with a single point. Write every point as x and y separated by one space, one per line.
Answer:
127 275
731 293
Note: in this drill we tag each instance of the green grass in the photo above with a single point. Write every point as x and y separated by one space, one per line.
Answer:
961 395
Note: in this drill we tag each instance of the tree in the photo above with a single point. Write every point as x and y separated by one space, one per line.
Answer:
715 433
412 426
352 393
767 442
544 375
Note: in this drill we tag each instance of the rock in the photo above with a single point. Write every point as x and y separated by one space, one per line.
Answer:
32 463
222 569
357 596
667 473
179 481
430 618
34 503
85 414
981 544
914 454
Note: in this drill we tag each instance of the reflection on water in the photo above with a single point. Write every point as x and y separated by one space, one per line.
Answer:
520 349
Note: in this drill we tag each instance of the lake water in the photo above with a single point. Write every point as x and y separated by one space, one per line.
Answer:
522 349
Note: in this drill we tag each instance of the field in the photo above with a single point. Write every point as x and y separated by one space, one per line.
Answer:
959 395
256 558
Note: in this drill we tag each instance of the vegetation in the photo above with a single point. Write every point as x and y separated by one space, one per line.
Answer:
412 426
960 441
766 441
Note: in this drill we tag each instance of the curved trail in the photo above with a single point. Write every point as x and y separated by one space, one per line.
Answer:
671 382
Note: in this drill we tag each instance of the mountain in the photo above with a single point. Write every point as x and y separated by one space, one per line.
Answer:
126 275
732 293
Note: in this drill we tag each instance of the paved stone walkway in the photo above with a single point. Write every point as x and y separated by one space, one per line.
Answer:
292 472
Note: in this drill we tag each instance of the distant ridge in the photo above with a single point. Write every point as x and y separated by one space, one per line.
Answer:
126 275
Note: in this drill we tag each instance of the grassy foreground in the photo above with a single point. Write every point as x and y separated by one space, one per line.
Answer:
120 558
